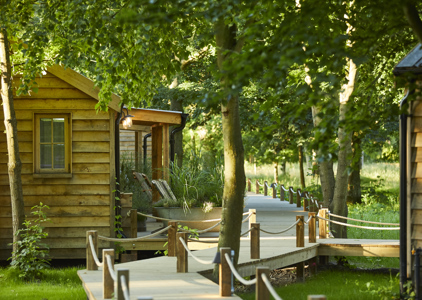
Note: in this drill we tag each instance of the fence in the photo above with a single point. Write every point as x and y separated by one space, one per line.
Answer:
309 202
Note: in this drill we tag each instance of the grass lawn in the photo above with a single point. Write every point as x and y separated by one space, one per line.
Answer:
344 285
55 284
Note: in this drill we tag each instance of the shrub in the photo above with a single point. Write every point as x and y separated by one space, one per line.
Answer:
30 257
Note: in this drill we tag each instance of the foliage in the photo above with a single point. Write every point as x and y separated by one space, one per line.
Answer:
197 183
31 256
391 289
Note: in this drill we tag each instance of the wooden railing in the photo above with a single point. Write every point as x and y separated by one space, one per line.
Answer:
310 203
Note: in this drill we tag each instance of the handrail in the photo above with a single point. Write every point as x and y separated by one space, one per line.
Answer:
202 231
246 232
94 253
286 190
259 183
293 191
119 240
204 262
357 226
307 221
270 287
369 222
236 274
295 223
185 221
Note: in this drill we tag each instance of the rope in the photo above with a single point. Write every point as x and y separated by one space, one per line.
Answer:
201 231
306 222
110 268
370 222
266 183
362 227
204 262
119 240
237 275
248 217
124 288
94 254
286 190
259 183
293 190
245 233
297 221
270 287
199 241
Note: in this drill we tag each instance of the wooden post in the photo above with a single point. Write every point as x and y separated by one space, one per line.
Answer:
125 274
252 219
313 265
290 195
281 192
255 246
322 223
133 223
225 276
256 187
182 254
300 232
300 272
298 198
157 158
317 297
312 227
90 262
108 282
305 202
261 291
171 239
249 185
274 191
166 152
265 188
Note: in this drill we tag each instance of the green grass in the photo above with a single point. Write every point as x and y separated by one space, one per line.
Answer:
54 284
344 285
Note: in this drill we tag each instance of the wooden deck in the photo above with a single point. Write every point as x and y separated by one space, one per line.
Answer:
157 277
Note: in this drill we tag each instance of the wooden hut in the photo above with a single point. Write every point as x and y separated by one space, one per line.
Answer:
410 68
68 161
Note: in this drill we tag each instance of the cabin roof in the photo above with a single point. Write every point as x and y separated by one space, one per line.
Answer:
411 63
149 117
82 83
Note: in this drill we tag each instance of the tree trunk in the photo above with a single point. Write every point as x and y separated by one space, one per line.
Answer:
339 205
354 194
283 168
10 123
302 174
275 171
234 172
325 168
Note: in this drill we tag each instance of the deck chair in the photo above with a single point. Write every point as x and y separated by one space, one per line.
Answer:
145 183
163 190
168 188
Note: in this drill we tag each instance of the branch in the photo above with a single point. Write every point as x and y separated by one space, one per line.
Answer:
413 19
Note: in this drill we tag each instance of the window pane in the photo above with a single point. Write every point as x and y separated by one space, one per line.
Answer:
59 156
45 156
45 130
58 130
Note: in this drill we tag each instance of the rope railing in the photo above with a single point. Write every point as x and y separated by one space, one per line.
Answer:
290 227
110 268
293 191
270 287
185 221
201 261
248 217
307 221
257 182
246 232
363 221
357 226
236 274
104 238
124 288
94 253
284 189
202 231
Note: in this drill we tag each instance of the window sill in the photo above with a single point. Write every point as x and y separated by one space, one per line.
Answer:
52 175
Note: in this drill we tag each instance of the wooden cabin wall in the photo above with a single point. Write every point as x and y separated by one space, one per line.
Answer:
414 203
127 144
77 204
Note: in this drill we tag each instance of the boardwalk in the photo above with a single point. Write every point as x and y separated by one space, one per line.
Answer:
157 277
